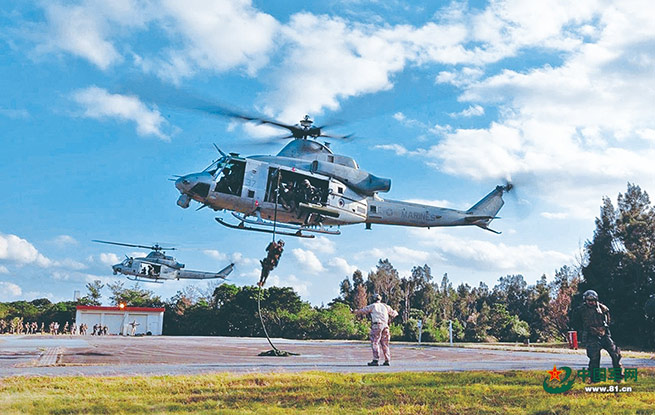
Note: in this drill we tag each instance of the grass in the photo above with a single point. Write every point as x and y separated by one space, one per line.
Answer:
318 393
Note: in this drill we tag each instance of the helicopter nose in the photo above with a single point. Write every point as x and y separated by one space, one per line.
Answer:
193 186
182 184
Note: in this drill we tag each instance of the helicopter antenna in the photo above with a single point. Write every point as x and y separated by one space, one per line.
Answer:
219 150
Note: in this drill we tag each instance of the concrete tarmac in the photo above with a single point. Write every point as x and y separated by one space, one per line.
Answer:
37 355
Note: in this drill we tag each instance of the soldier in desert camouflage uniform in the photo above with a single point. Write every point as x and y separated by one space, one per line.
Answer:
380 315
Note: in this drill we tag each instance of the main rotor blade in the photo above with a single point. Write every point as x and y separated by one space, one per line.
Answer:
155 247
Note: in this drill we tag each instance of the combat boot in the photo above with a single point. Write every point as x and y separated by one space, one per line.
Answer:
373 363
386 363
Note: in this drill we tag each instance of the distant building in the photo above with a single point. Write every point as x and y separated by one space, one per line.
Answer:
118 319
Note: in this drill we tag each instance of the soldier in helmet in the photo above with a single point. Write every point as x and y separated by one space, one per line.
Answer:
274 250
595 319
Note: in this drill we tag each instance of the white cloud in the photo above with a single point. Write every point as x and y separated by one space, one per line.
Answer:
578 131
3 270
398 254
16 249
308 261
80 30
341 266
100 104
69 264
471 111
478 254
63 240
321 245
9 291
212 253
554 215
217 35
202 34
109 258
300 286
239 259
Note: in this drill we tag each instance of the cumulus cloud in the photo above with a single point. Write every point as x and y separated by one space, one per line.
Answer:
217 35
299 286
341 266
213 253
308 260
4 270
81 30
9 291
398 254
471 111
478 254
109 258
202 34
578 130
64 240
19 250
98 103
321 245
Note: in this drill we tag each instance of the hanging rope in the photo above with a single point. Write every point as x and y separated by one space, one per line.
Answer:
275 351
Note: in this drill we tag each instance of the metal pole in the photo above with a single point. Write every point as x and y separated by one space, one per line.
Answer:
450 331
420 330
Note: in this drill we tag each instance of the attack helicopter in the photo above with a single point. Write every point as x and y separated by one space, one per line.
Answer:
307 189
157 266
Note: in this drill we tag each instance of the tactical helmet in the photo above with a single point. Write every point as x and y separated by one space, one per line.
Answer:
590 295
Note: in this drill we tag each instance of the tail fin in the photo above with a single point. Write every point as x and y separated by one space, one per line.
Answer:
226 271
482 213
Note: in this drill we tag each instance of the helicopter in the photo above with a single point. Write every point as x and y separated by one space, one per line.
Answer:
307 189
158 266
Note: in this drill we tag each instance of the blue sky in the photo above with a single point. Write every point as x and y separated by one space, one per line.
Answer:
447 99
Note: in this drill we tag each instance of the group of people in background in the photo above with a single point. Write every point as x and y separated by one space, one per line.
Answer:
17 326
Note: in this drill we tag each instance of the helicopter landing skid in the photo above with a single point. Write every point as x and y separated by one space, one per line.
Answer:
145 280
261 222
242 227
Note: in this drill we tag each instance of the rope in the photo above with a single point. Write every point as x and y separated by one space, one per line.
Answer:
259 309
275 351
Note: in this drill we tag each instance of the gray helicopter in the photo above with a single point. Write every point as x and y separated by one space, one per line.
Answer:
306 188
157 266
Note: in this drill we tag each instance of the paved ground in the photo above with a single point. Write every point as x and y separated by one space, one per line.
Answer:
161 355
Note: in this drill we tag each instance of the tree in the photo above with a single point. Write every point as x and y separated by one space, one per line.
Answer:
386 282
564 287
621 266
94 294
133 297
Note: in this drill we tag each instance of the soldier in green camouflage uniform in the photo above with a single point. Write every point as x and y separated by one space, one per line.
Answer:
595 319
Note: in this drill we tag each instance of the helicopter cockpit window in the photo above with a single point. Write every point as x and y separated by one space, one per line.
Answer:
213 168
127 262
230 177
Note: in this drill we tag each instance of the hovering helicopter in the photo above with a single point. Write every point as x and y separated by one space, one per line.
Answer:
307 188
158 266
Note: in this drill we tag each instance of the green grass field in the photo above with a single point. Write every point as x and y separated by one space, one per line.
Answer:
319 393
